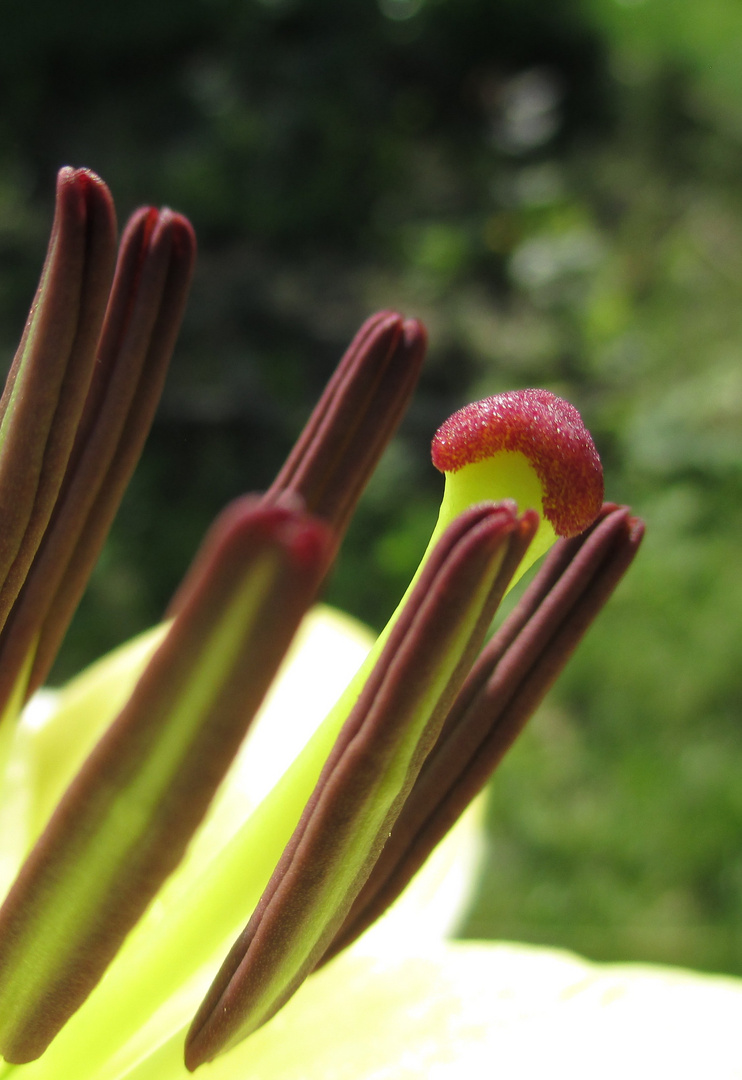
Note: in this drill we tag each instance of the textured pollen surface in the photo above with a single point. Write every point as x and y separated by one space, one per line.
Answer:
545 429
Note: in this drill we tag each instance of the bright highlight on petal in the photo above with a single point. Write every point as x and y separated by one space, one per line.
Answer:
485 1010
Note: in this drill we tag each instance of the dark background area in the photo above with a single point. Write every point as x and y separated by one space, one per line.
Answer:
555 189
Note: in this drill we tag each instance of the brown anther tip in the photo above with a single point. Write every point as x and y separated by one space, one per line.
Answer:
83 183
355 418
168 227
81 193
142 224
637 528
415 334
305 541
84 179
182 232
308 544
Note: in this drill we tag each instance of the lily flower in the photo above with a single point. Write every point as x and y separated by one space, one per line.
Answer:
165 901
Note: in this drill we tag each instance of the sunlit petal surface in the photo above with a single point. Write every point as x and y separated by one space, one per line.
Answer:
482 1011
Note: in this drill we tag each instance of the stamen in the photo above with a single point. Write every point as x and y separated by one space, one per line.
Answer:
355 418
46 388
377 375
124 823
142 320
366 778
505 686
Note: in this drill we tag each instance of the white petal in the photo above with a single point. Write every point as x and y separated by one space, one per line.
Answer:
474 1011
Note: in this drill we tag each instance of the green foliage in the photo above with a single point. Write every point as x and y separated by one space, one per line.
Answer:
553 188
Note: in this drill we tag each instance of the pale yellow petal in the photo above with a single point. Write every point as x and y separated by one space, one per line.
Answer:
475 1011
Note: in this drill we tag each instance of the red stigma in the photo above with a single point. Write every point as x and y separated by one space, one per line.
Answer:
549 432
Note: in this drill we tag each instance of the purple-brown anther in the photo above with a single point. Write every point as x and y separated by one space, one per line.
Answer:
78 406
355 418
46 388
549 432
505 686
126 819
367 777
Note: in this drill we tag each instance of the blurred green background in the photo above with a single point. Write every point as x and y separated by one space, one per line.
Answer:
554 187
